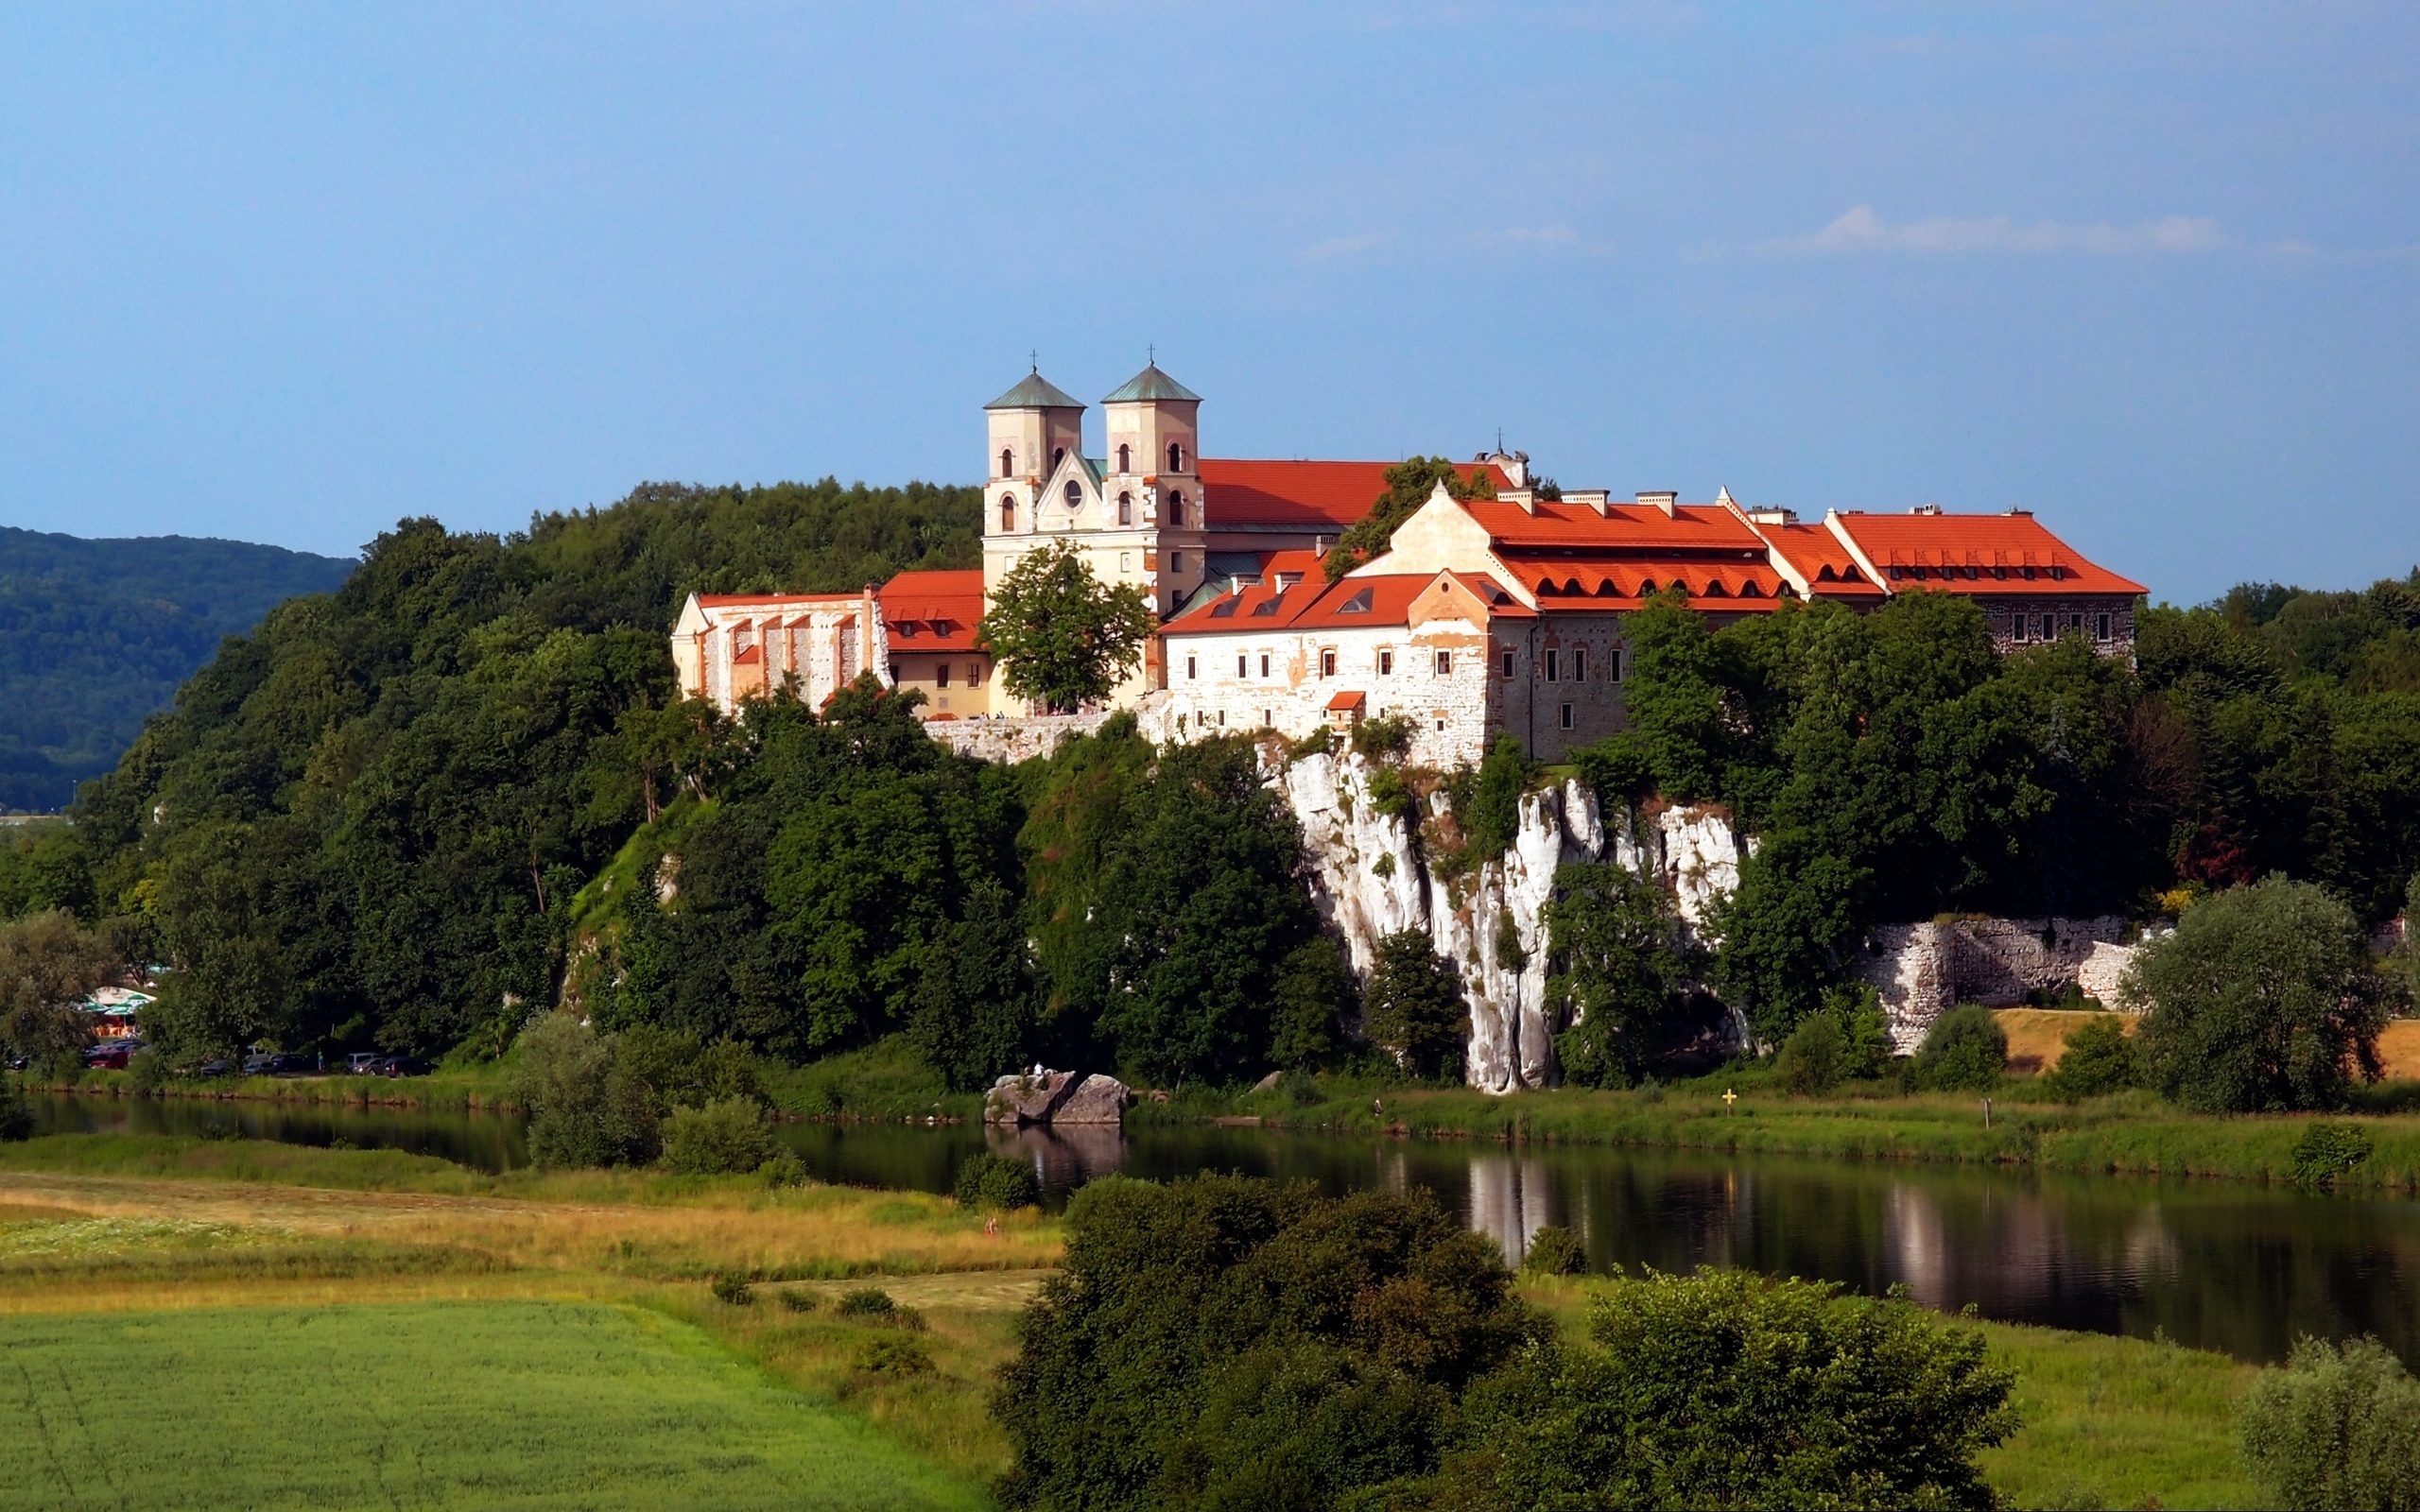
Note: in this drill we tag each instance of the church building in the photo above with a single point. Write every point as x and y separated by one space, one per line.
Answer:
1485 614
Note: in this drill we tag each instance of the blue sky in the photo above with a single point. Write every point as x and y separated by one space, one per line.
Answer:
290 273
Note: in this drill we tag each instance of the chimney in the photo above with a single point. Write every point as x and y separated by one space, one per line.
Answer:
1664 499
865 630
1596 499
1526 498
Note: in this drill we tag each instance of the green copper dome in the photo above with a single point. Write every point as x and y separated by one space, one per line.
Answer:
1152 384
1036 392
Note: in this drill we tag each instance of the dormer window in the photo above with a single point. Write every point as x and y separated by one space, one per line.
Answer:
1125 501
1125 457
1075 495
1008 462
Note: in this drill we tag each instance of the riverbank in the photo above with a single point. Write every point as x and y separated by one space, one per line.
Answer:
2134 1133
175 1237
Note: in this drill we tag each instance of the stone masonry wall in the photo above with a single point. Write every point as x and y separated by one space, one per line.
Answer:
1922 970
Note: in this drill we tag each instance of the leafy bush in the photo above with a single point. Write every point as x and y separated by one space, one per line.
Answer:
2327 1151
2263 1001
783 1170
871 1304
1413 1007
1314 989
1392 796
737 1290
988 1180
2099 1058
147 1069
1382 736
794 1300
2334 1428
1301 1088
1555 1250
1494 817
1963 1051
1814 1059
726 1137
1226 1342
1726 1389
894 1356
582 1110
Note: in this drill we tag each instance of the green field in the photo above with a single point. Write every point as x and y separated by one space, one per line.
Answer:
455 1405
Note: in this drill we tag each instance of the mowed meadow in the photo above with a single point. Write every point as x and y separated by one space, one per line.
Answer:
219 1324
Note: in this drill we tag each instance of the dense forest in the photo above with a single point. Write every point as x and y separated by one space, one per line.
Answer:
409 812
94 636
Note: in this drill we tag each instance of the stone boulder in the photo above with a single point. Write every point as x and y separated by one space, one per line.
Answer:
1056 1098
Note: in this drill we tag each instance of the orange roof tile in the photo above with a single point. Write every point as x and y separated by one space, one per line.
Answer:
1829 569
933 611
1324 496
1557 526
1995 554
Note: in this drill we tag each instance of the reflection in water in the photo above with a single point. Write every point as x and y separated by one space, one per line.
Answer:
2220 1266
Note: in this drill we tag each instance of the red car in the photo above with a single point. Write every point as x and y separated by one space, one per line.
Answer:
109 1058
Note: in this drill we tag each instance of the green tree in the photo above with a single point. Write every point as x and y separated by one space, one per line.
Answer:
1727 1389
2334 1429
988 1180
724 1137
2263 1000
977 1007
1620 967
2098 1058
1220 1342
1314 989
1965 1050
1413 1007
1063 638
1504 775
584 1111
49 963
1410 485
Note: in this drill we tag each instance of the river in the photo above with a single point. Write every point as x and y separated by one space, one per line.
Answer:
2224 1265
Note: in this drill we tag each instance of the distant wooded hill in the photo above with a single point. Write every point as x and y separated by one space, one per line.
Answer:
94 636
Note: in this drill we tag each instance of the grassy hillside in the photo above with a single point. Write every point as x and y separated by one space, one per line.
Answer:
94 636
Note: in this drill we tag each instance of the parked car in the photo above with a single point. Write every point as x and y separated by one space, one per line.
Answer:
216 1068
402 1066
363 1062
111 1057
279 1064
257 1064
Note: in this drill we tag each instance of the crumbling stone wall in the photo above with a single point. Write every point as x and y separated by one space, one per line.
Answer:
1922 970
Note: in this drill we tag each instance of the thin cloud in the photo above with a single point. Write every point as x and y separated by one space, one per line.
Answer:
1342 246
1555 235
1862 230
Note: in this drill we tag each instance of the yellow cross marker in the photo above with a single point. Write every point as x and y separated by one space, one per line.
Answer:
1729 1097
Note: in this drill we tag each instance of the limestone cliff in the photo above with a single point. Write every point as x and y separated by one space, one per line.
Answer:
1369 879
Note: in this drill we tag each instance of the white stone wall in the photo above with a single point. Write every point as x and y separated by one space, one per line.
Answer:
1450 714
1922 970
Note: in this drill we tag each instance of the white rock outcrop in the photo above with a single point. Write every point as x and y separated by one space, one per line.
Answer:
1368 881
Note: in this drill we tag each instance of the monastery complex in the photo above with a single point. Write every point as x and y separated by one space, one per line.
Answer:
1484 615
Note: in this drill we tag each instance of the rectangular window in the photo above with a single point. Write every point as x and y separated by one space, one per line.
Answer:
1579 663
1265 720
1508 665
2075 620
1445 663
1192 668
1566 716
1617 663
2100 627
1327 663
941 675
1222 719
2047 632
1264 664
1243 667
1554 666
1176 561
1386 663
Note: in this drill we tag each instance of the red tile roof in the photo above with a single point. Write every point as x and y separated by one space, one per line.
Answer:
1977 554
1615 583
1556 526
932 610
727 600
1346 702
1324 496
1830 571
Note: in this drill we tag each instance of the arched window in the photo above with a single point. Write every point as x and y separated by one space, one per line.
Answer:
1126 508
1008 511
1176 457
1008 462
1075 495
1058 455
1176 509
1125 457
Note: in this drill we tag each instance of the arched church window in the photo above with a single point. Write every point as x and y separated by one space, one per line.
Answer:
1075 496
1176 457
1008 461
1126 508
1058 455
1176 509
1008 511
1125 457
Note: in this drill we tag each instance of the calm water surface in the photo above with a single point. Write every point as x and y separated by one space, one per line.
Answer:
2213 1265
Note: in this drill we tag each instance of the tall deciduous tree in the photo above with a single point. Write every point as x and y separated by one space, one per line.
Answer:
1414 1008
1063 638
1619 968
2262 1001
1409 484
